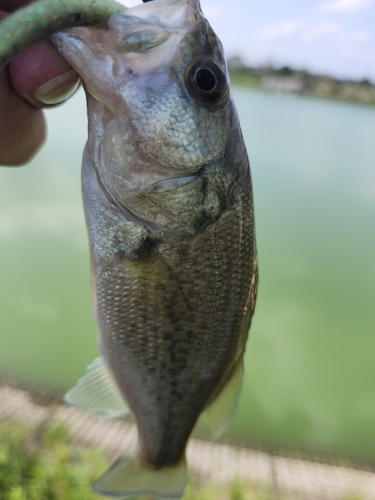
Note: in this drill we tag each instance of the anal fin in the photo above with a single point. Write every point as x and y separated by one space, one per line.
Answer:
221 411
97 393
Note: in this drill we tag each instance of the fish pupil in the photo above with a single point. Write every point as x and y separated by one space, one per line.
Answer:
206 80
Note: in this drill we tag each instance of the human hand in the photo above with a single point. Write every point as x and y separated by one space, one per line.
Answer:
37 78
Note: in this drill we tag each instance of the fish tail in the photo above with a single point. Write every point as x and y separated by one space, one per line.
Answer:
129 477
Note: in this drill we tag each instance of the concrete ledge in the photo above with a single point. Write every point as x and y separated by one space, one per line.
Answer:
289 478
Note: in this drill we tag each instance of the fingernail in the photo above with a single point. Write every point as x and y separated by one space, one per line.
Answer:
56 90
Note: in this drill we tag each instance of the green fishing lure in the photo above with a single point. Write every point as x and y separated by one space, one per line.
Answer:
42 18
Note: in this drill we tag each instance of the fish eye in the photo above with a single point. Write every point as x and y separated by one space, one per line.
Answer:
206 82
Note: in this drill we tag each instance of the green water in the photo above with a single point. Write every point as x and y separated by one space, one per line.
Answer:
310 370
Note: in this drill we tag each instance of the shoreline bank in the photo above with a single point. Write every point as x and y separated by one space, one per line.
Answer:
217 463
288 81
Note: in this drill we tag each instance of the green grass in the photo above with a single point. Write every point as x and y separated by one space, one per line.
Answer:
39 463
245 78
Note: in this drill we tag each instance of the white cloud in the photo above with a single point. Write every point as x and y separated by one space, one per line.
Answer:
318 30
338 6
362 36
283 29
129 3
214 11
302 31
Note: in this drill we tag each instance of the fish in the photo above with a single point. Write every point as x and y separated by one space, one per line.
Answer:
169 209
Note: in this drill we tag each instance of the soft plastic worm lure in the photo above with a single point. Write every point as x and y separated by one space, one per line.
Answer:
42 18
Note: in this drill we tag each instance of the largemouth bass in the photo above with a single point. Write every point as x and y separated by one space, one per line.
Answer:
169 209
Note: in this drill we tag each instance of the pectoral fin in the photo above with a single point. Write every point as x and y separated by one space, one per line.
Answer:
221 411
97 393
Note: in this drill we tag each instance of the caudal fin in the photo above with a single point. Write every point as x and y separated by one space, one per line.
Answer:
127 477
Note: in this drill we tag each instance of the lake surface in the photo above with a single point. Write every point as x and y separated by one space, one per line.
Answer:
310 362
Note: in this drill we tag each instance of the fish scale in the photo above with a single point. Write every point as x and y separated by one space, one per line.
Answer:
138 322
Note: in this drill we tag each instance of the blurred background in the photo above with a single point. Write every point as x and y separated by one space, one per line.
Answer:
310 372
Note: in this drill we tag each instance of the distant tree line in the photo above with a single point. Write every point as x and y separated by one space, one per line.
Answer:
290 80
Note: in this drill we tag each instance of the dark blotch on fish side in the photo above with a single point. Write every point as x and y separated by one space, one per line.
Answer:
142 252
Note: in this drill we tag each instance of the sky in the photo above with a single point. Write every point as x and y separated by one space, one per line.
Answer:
332 37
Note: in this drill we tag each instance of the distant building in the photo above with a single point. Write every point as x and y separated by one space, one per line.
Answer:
287 84
288 80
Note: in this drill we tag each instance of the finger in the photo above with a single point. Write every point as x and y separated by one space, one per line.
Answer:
22 127
10 5
41 76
